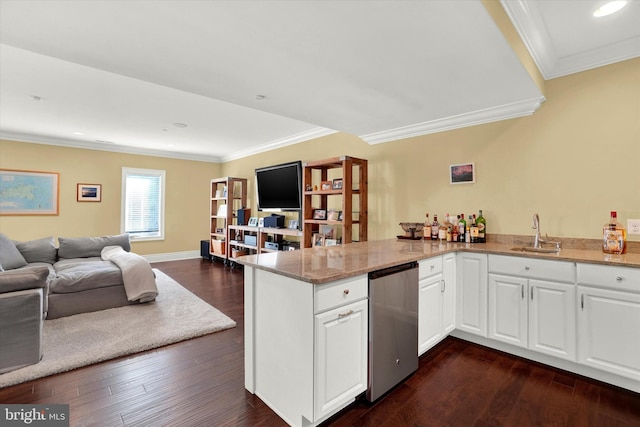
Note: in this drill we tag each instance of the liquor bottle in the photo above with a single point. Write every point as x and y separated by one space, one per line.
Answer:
435 226
473 229
455 236
482 228
427 228
467 231
614 236
462 227
448 227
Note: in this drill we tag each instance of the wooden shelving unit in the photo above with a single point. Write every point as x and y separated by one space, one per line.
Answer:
353 201
238 233
227 196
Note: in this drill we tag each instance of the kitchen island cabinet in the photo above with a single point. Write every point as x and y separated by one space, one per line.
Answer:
436 300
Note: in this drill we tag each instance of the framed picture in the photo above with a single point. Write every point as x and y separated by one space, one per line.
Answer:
337 184
89 193
327 231
464 173
333 215
293 223
325 185
253 221
318 240
222 211
319 214
29 192
331 242
260 222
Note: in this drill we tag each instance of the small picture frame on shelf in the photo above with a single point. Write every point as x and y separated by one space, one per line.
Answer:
334 215
293 224
325 185
319 214
327 231
308 187
336 184
318 240
260 222
253 221
222 211
340 216
330 242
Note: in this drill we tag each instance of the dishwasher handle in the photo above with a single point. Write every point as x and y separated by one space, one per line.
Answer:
392 270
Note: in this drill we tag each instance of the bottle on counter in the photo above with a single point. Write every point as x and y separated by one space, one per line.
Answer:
448 226
435 227
467 231
482 228
462 227
614 236
455 237
473 228
427 228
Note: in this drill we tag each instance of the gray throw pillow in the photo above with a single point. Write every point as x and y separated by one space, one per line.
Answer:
84 247
10 256
40 250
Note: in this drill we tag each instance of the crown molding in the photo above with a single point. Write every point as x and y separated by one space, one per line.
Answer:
503 112
527 19
280 143
49 140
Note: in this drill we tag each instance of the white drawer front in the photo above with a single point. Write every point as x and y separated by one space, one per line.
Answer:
338 293
619 278
558 271
429 267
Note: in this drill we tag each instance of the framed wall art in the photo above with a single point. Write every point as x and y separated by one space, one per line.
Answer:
29 192
89 193
464 173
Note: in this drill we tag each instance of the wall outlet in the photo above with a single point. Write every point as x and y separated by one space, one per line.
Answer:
633 226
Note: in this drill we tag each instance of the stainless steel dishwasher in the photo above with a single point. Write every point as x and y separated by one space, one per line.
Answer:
393 327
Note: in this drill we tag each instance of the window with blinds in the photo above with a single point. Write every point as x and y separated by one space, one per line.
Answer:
143 203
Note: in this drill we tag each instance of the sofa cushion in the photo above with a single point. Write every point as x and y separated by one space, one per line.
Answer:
85 247
23 278
81 274
40 250
10 256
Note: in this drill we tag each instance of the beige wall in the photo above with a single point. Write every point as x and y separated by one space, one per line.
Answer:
573 161
187 186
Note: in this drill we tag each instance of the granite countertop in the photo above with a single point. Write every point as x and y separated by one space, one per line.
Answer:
330 263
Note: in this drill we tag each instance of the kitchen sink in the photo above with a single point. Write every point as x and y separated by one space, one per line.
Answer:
538 250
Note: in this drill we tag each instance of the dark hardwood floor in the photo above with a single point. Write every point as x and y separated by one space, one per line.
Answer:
200 382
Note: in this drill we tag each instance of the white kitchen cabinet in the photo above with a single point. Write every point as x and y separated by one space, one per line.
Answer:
609 319
531 313
471 297
436 300
305 344
341 356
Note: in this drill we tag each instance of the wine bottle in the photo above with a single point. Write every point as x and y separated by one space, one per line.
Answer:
435 226
614 236
474 229
462 227
467 232
482 228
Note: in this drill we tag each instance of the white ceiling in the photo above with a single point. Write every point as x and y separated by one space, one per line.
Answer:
122 73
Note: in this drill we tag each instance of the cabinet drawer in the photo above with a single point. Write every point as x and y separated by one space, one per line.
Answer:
429 267
558 271
338 293
619 278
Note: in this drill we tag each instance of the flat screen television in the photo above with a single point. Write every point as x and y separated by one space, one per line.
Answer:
279 187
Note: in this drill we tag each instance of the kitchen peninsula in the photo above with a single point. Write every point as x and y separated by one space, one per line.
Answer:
306 330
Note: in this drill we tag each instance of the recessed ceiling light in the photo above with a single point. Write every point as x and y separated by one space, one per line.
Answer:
180 125
609 8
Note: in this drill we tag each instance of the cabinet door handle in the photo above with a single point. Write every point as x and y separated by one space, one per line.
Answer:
345 292
532 293
522 289
619 279
582 301
527 268
347 314
443 285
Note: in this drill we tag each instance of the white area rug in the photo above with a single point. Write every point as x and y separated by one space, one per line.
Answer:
87 338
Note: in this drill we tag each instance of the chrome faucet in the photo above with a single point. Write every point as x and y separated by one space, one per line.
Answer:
537 241
536 226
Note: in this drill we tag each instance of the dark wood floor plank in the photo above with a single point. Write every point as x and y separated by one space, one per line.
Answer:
200 382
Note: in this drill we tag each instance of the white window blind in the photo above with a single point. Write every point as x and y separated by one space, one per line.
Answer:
143 203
